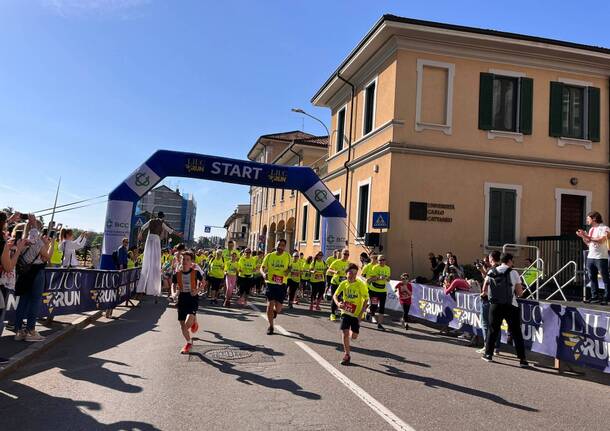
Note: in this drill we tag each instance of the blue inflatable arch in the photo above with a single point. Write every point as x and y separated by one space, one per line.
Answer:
163 163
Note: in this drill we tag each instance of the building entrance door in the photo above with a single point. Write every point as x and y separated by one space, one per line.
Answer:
572 213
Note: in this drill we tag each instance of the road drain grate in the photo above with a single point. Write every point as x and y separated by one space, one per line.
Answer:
234 354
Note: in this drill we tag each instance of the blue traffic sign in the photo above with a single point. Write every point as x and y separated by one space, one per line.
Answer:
381 220
207 229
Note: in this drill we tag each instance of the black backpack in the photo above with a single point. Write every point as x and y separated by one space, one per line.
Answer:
500 288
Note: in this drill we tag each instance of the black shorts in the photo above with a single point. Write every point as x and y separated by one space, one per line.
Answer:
350 322
276 292
187 304
244 284
381 297
215 283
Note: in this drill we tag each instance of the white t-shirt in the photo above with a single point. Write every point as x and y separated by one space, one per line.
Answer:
598 250
514 280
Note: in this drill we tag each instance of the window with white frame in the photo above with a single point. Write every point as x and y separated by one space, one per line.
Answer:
434 97
502 214
368 117
364 197
340 129
316 230
305 221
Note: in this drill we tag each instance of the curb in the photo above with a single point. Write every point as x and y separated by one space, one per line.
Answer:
36 349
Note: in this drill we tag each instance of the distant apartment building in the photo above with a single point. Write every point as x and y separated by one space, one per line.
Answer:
238 226
469 138
180 209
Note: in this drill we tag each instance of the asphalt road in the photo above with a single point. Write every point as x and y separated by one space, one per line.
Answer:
128 375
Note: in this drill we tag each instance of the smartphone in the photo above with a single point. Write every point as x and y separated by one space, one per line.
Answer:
45 231
24 216
52 234
18 235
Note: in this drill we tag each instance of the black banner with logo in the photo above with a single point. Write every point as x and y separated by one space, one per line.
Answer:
72 290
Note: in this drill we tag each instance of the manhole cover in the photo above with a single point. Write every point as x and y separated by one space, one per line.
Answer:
235 354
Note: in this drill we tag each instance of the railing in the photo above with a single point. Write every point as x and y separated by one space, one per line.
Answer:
539 263
562 273
557 252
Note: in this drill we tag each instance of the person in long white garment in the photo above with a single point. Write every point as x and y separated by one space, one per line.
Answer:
150 276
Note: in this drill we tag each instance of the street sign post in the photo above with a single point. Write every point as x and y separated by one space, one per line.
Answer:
381 220
207 229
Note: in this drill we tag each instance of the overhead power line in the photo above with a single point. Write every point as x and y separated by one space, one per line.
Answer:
70 204
70 209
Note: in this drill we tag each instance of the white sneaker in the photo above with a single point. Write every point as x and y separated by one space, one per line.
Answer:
33 337
20 335
481 351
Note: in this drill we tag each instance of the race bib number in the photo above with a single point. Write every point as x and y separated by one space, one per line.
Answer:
349 307
277 279
374 300
295 273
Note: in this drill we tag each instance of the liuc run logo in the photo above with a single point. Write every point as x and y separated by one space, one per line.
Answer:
587 335
55 300
431 303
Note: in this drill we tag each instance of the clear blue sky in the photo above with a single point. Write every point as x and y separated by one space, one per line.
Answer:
90 88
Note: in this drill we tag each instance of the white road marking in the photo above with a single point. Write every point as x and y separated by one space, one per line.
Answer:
394 421
9 395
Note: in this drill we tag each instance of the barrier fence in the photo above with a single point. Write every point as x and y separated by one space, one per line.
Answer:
573 334
69 290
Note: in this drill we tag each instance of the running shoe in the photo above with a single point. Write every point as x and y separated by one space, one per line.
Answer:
186 348
380 327
496 352
20 335
194 327
481 351
406 326
270 330
33 337
523 363
4 361
333 317
346 360
487 358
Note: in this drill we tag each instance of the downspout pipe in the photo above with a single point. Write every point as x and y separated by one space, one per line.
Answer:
349 148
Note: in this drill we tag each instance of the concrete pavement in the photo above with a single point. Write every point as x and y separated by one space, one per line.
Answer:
127 374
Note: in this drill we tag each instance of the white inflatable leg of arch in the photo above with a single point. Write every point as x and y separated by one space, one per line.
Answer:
334 234
118 225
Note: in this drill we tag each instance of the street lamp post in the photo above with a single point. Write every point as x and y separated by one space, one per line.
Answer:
300 111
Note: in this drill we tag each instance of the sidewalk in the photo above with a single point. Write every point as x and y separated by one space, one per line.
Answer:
20 352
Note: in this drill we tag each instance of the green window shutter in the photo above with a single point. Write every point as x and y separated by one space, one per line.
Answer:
495 217
594 118
509 215
526 106
556 109
486 89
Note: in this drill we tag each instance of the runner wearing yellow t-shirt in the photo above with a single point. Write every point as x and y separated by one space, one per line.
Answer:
227 252
329 260
306 280
274 269
258 278
245 276
294 278
354 299
338 271
378 277
317 269
216 275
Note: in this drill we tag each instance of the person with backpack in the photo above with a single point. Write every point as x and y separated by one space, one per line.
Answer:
503 286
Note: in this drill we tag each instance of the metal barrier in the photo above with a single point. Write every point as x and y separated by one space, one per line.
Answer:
538 261
554 279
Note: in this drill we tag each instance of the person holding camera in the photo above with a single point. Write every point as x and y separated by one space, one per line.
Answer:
485 266
69 247
30 280
504 287
10 250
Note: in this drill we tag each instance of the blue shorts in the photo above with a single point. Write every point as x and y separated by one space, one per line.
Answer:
276 292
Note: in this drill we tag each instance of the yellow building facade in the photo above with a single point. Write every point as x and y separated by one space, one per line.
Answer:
469 138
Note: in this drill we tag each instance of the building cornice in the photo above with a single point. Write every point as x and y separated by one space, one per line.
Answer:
399 148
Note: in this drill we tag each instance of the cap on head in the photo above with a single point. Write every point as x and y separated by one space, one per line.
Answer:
160 214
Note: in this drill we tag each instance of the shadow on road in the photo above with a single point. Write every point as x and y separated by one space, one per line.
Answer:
357 349
437 383
35 410
80 364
